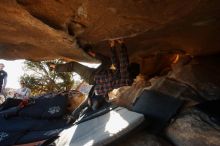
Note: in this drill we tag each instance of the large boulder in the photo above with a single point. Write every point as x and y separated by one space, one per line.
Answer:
23 36
46 29
193 128
143 139
200 74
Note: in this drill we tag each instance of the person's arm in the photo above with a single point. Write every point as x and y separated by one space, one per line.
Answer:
114 58
28 92
68 67
124 61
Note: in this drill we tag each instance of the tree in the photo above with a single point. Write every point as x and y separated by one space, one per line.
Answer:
40 79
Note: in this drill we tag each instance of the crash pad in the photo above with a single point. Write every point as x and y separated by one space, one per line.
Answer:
157 107
101 130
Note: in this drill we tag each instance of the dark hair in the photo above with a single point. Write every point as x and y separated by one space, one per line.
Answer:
87 47
2 64
134 70
22 82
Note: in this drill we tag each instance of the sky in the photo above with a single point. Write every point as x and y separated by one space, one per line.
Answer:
15 71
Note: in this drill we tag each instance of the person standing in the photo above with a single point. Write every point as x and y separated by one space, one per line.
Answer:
3 78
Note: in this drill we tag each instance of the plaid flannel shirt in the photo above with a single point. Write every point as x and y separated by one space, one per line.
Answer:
107 80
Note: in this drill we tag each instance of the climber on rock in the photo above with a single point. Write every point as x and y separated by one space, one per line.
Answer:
111 74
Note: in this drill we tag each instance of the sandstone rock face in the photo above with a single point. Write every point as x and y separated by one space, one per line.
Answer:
176 89
24 36
155 31
143 139
47 29
194 128
201 74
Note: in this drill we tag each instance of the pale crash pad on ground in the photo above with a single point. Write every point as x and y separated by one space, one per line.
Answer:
101 130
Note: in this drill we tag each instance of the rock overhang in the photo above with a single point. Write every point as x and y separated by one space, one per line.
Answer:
43 30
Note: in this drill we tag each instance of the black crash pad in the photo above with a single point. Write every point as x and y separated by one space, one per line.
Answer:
157 108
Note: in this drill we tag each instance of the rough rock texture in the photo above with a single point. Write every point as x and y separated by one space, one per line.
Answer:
194 128
175 89
24 36
143 139
46 29
155 31
201 74
189 80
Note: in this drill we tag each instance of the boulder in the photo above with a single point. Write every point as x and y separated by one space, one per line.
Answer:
193 128
143 139
58 28
201 74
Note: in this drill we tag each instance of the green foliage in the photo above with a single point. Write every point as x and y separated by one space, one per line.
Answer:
40 79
